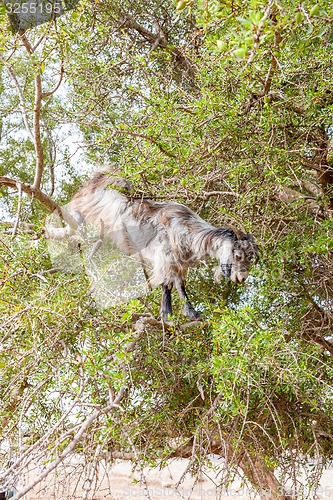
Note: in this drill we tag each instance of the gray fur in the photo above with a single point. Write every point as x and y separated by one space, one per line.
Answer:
167 237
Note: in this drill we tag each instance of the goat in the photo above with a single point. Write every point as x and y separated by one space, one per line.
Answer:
166 237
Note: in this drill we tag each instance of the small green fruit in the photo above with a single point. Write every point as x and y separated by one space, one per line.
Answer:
221 45
181 5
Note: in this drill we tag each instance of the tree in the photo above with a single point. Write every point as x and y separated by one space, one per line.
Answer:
223 107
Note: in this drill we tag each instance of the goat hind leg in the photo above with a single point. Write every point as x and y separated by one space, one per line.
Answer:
188 310
166 305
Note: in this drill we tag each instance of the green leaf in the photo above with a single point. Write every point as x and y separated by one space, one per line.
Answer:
221 45
240 53
3 9
298 17
255 16
314 10
246 22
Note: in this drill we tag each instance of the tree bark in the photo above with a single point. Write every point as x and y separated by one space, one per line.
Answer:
45 200
37 140
258 473
261 477
159 40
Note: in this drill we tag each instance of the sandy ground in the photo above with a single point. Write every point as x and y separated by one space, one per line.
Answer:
120 483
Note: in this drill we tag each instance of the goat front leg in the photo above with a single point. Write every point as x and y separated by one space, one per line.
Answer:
166 305
188 310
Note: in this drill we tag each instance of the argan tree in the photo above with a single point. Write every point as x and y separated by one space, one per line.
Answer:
225 107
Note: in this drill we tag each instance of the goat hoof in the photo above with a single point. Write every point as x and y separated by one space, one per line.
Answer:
168 320
191 313
196 316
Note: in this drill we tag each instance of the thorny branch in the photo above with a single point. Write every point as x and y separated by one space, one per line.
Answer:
45 200
20 96
258 33
34 131
72 445
158 40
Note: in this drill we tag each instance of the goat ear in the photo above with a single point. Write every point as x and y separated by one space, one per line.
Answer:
250 238
257 256
256 253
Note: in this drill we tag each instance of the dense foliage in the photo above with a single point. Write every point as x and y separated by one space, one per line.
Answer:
226 107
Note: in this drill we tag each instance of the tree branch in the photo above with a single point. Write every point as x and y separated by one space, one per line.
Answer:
72 445
21 98
258 33
17 220
36 124
51 92
45 200
150 139
158 40
36 120
32 191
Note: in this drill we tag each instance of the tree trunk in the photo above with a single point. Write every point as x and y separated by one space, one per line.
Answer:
261 477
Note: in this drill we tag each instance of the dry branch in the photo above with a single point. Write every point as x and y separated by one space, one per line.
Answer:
32 191
76 439
36 119
159 40
21 98
45 200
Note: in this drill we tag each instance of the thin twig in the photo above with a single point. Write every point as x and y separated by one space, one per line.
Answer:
20 96
36 119
19 207
72 445
51 92
206 195
257 35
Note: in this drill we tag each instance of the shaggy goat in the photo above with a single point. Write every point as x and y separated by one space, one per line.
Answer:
166 237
